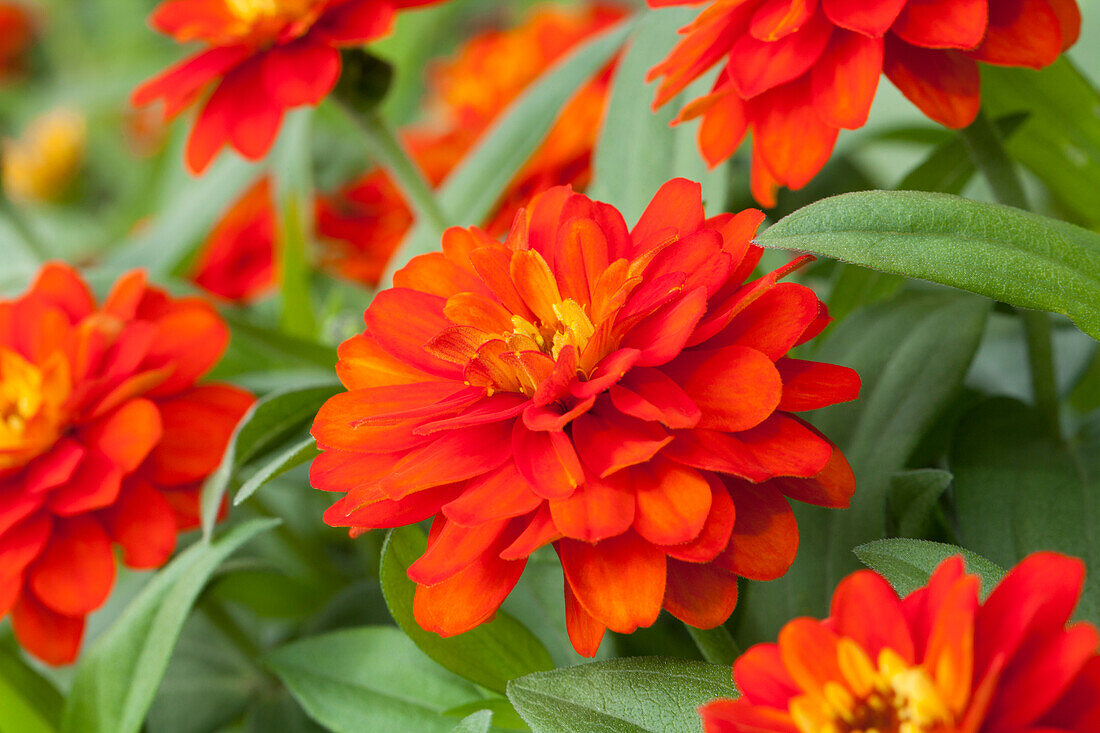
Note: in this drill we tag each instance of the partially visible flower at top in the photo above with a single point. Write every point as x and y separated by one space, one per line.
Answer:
41 165
105 438
262 57
795 72
623 394
937 661
16 36
237 261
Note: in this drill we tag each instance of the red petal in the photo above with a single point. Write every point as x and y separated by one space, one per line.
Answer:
810 385
715 535
127 435
785 446
808 648
1069 20
673 502
403 321
677 206
585 632
702 596
469 597
661 336
949 652
190 337
540 531
778 18
649 394
454 548
735 387
144 524
455 456
53 468
789 135
352 511
945 85
620 581
95 484
20 546
337 470
718 715
845 79
869 17
832 487
496 495
382 419
363 363
723 128
302 72
612 441
74 575
943 23
715 451
211 131
180 85
197 425
62 285
867 610
765 535
763 680
1021 33
756 66
597 510
50 636
773 322
357 22
252 115
547 460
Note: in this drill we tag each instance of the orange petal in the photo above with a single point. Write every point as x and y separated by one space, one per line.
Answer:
714 451
585 632
716 531
649 394
702 596
845 79
810 385
499 494
547 460
363 363
403 321
764 65
143 523
1021 33
765 535
673 502
467 598
866 609
761 677
869 17
808 648
832 487
735 387
677 205
786 446
52 637
600 508
957 24
197 425
612 441
127 435
456 455
453 548
620 581
945 85
95 484
74 575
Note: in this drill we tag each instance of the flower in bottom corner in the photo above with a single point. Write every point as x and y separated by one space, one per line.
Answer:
624 395
106 434
936 661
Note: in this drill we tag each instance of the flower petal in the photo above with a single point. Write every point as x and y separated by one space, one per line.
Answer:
765 535
945 85
702 596
52 637
74 575
600 508
735 388
620 581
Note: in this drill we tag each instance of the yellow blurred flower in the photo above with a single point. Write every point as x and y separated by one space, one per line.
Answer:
40 165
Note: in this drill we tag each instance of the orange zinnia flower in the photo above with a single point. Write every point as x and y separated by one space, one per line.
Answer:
237 262
16 34
105 437
622 394
797 71
263 57
937 661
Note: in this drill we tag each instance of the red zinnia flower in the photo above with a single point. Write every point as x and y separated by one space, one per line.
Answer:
16 34
799 70
936 661
105 437
623 394
263 57
237 262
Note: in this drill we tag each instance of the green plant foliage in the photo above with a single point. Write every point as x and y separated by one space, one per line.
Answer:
908 564
118 676
912 500
489 655
1003 253
30 704
651 695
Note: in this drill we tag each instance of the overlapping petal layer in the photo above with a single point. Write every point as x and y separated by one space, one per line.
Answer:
105 438
624 395
936 661
261 58
796 72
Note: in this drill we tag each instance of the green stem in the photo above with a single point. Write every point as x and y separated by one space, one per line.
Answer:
988 153
388 152
716 645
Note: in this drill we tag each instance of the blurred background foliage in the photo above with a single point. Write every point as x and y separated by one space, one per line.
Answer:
969 462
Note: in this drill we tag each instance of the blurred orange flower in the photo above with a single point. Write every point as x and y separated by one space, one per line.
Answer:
624 395
797 71
237 261
937 661
41 165
16 35
262 58
105 437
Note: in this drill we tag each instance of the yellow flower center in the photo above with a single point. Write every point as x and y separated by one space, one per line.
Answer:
31 400
892 697
254 11
572 327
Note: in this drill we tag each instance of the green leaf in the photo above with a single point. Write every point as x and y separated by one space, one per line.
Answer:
30 704
1060 141
295 455
271 593
997 251
294 195
282 346
912 354
370 678
1018 490
503 714
263 428
167 240
637 150
949 168
479 722
621 695
716 645
490 655
913 498
477 184
118 676
908 564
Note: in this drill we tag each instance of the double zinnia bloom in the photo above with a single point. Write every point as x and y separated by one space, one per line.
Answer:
795 72
624 395
105 438
937 661
262 57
